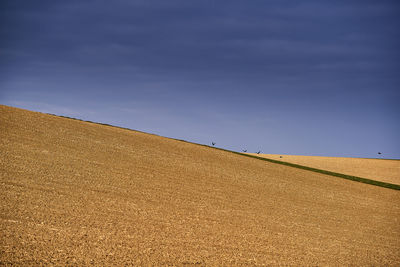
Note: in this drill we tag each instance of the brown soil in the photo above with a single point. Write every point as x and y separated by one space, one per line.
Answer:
376 169
79 193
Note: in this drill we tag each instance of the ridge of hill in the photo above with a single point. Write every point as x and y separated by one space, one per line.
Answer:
391 181
74 192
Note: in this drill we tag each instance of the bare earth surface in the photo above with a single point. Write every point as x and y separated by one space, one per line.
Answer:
79 193
376 169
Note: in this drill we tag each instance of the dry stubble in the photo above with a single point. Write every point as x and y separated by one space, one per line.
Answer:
76 192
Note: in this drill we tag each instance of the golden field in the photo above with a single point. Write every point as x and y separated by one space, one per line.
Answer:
78 193
384 170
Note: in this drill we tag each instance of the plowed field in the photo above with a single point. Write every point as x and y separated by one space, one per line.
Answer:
75 192
384 170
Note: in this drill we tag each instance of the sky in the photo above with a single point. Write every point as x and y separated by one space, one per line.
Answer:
311 77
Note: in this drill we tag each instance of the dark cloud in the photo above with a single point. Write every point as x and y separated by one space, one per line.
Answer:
204 39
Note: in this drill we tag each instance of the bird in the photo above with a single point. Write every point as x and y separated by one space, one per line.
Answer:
379 153
213 143
258 152
244 150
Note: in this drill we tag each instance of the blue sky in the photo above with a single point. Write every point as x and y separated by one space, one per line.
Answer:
308 77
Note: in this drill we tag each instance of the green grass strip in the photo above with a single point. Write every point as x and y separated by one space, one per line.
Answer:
341 175
336 174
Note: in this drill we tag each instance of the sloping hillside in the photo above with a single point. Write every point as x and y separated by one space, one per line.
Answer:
376 169
78 192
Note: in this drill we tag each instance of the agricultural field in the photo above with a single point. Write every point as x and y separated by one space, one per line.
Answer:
80 193
385 170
